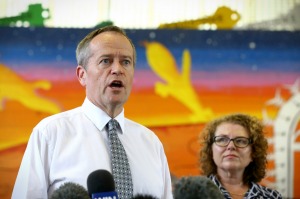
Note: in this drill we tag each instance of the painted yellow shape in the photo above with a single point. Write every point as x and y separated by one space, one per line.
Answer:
223 18
176 84
13 87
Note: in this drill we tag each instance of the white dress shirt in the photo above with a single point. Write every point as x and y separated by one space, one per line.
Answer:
68 146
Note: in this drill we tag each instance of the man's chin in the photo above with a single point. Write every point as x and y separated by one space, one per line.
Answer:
117 102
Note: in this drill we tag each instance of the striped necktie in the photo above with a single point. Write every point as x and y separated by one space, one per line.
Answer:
119 161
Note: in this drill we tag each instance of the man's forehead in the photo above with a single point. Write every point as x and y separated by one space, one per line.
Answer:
112 40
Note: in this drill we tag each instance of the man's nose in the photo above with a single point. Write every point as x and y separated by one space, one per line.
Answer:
116 68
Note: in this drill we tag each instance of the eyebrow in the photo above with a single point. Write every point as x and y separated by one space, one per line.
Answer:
122 56
231 138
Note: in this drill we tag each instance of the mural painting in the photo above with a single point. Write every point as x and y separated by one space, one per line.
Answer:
183 79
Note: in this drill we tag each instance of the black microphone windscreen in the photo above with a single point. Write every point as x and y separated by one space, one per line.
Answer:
143 196
70 190
100 181
196 187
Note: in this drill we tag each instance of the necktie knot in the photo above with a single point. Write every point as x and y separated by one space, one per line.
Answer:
112 125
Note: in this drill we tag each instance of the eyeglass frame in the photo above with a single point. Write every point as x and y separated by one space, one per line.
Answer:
233 140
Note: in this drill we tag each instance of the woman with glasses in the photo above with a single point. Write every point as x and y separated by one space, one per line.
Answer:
234 156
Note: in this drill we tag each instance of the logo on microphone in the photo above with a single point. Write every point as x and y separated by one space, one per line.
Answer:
105 195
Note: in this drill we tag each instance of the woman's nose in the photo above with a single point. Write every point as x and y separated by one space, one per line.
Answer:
231 145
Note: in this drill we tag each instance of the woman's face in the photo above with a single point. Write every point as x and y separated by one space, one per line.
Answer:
231 158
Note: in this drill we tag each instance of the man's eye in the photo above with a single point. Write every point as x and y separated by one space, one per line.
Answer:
105 61
126 62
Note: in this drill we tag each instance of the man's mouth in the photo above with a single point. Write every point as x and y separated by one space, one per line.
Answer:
116 84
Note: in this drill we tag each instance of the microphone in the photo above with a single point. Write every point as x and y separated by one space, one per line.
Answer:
196 187
70 190
145 196
101 185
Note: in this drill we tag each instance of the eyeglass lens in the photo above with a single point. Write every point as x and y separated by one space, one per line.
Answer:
238 141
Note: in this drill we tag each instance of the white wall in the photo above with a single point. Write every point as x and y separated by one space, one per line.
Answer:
144 14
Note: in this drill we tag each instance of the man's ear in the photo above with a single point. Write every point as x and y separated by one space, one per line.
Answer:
81 75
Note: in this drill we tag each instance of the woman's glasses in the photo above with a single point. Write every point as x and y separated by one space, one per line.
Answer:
240 142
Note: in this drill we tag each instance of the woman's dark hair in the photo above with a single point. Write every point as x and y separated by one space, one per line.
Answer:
256 170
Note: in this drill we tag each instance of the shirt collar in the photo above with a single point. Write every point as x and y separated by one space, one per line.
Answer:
250 192
99 117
